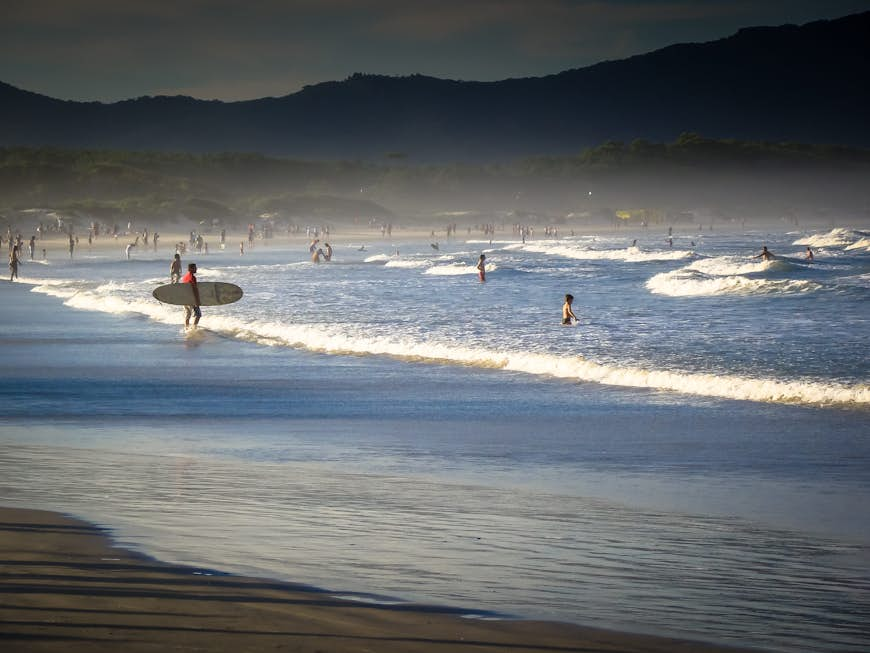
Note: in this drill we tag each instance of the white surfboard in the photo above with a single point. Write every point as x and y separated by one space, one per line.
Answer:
211 293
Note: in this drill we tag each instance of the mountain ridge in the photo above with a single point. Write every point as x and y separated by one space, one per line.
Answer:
804 83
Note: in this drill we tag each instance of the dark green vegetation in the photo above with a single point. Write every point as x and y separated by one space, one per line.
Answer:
733 177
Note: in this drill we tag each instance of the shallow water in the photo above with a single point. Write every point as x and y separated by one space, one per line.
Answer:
693 459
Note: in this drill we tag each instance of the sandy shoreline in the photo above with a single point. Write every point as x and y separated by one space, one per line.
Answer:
66 587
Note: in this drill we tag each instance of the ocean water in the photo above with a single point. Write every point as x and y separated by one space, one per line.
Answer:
692 459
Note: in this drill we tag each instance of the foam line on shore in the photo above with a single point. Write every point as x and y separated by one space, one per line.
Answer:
327 338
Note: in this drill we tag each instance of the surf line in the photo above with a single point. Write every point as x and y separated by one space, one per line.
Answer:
322 338
317 338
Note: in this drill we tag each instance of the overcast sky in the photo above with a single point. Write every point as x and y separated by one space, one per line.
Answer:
241 49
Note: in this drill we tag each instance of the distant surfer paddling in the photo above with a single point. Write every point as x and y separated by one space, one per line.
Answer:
568 312
190 278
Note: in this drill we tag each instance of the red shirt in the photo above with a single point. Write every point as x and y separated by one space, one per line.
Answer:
189 277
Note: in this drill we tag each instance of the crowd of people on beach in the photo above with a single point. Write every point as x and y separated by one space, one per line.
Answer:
197 243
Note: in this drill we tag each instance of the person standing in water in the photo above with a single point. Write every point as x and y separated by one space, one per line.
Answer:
810 256
14 260
175 269
190 278
765 254
481 267
567 311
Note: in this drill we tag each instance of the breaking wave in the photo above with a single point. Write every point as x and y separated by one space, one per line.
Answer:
332 339
728 275
839 237
584 253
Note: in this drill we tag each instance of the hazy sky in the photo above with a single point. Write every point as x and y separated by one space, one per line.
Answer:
240 49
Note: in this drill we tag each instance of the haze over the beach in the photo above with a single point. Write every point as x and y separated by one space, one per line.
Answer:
108 51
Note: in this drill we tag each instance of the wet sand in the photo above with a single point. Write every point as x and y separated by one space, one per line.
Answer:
65 587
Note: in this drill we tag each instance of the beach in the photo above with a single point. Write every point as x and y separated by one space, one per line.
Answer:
385 432
66 588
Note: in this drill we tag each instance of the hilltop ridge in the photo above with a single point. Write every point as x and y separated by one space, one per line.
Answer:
799 83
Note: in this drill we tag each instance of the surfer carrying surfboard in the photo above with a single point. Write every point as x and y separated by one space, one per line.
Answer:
190 278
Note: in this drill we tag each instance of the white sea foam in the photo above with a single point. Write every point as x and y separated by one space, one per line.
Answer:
332 339
407 263
726 275
456 269
839 237
863 243
377 258
328 339
585 253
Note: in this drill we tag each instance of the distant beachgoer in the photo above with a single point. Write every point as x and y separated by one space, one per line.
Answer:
154 239
362 249
567 311
14 261
129 247
241 248
32 246
313 246
315 257
72 245
175 269
810 256
190 278
481 267
434 246
327 255
765 254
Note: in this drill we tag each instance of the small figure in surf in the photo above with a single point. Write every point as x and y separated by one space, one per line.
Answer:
481 267
14 261
315 257
765 254
809 254
327 255
567 311
175 269
190 278
434 246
